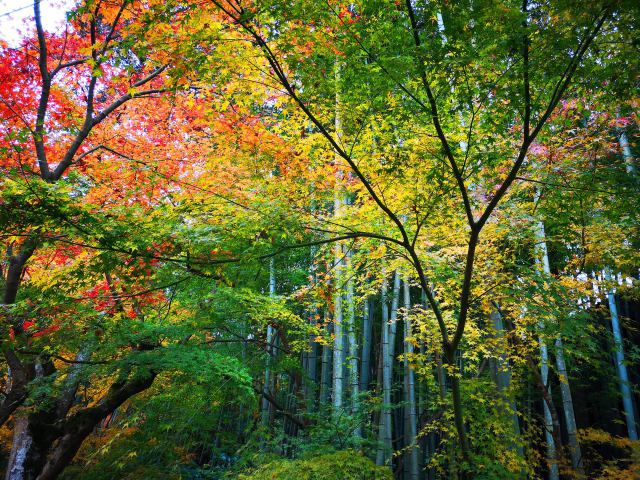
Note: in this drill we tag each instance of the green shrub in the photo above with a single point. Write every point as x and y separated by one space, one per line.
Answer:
344 465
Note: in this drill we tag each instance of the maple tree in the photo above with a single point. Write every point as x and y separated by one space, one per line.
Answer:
87 86
520 96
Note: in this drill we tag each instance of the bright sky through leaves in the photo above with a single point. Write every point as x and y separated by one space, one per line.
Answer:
16 17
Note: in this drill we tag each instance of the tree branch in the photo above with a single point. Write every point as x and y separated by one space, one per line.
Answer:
561 87
38 132
241 19
436 118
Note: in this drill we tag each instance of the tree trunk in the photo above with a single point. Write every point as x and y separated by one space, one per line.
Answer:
503 378
312 374
68 393
29 448
19 375
626 152
338 346
623 377
384 432
565 389
393 321
456 397
15 270
567 404
325 373
81 424
24 451
552 454
552 424
30 442
338 342
353 348
442 392
270 339
19 450
365 361
311 385
411 458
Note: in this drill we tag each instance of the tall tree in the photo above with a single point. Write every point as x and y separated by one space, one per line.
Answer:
531 103
623 377
565 389
411 430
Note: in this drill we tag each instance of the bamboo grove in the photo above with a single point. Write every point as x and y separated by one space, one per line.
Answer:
319 240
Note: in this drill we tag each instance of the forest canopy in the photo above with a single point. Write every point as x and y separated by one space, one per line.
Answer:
315 240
